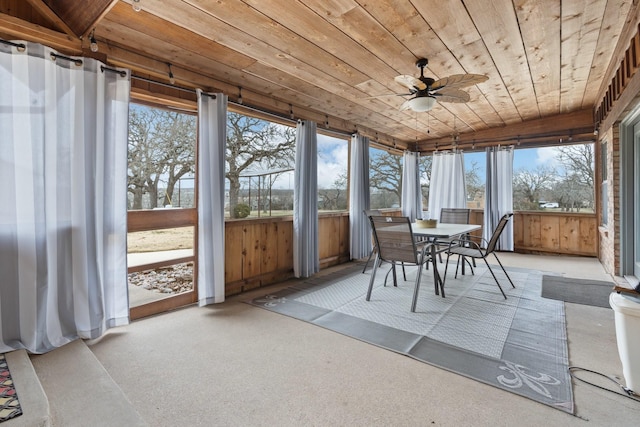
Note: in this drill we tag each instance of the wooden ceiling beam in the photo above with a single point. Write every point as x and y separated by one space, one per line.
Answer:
43 9
18 28
558 129
75 20
96 20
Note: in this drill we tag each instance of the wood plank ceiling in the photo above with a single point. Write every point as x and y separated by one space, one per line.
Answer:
334 61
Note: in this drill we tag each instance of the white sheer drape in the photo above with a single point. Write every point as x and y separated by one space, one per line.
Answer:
359 197
499 194
448 188
63 216
306 260
411 191
212 140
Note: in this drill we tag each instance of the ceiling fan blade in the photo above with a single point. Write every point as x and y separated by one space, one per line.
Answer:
452 95
385 95
459 81
410 82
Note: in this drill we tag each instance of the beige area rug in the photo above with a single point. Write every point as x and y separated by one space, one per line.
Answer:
518 344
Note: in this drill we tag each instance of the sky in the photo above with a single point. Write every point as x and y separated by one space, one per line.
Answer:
333 159
523 158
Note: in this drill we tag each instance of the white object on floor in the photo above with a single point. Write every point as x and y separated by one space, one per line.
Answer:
627 320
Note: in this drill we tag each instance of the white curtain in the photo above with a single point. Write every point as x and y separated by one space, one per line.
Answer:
63 216
448 188
212 140
359 197
306 260
499 194
411 191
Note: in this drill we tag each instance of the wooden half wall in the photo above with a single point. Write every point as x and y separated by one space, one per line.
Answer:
564 233
259 252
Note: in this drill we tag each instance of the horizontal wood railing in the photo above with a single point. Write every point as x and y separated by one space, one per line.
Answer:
259 251
563 233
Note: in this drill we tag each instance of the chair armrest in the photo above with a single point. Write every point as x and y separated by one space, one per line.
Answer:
465 243
425 249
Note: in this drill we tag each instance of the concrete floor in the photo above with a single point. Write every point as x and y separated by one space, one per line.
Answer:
234 364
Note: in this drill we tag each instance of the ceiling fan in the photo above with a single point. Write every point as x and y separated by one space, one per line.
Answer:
427 91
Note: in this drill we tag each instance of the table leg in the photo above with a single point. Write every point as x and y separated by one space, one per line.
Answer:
437 280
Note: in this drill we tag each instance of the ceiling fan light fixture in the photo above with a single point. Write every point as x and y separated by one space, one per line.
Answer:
422 103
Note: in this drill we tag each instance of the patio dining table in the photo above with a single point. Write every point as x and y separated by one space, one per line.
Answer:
441 231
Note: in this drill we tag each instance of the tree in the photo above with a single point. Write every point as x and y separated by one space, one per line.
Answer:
335 198
475 184
385 170
425 178
177 135
528 186
253 142
161 149
143 154
386 177
578 162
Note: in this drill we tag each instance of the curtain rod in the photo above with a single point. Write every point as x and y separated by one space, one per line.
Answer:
21 46
113 70
76 61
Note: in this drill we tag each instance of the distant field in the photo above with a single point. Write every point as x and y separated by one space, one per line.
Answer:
160 240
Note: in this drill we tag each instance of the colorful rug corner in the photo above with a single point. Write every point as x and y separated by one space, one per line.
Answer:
9 404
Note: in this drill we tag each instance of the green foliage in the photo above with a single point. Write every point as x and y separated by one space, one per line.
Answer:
241 210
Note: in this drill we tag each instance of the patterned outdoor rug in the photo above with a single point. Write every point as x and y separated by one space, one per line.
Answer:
9 405
518 344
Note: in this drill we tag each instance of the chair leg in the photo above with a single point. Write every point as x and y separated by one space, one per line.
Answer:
404 273
495 278
414 302
446 266
505 271
395 278
471 264
373 277
369 259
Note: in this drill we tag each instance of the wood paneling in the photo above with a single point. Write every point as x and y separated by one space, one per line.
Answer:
335 61
259 252
267 243
556 232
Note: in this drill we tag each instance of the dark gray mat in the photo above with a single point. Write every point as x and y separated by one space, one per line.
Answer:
577 291
518 345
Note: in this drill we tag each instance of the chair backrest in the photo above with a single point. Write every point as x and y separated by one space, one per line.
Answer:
394 238
455 215
491 246
372 212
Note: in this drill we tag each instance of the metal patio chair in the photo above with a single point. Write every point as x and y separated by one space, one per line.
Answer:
396 244
472 249
455 216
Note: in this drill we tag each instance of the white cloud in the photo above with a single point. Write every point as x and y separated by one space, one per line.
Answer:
546 156
333 155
